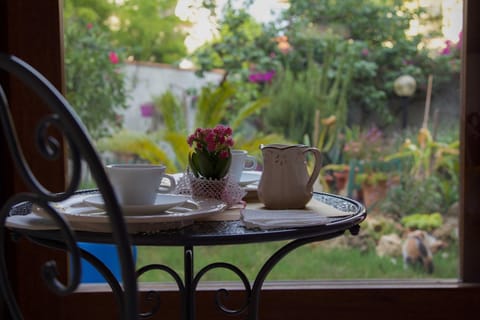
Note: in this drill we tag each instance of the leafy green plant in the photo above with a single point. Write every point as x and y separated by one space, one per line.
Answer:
299 98
376 31
94 80
371 178
324 134
242 44
293 100
423 221
412 195
366 144
147 30
212 107
428 156
140 144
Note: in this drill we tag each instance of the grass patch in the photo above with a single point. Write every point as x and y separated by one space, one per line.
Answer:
314 261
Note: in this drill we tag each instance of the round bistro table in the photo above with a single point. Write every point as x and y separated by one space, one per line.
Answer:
211 233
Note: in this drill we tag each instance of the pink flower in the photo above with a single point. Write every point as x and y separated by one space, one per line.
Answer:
113 57
214 145
223 154
190 140
211 140
448 48
365 52
211 146
261 77
89 25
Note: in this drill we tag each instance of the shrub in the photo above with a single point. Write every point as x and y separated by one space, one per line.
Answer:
95 83
423 221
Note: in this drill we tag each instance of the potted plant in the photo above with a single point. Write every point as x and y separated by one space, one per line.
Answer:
211 156
210 160
373 187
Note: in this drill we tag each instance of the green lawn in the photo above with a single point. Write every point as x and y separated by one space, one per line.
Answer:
308 262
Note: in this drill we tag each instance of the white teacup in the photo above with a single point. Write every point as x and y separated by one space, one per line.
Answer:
138 184
240 161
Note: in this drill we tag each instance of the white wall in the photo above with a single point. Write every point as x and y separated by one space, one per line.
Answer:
145 81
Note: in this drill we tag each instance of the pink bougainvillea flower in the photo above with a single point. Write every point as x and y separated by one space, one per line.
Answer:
253 77
267 76
113 57
261 77
460 40
448 48
147 110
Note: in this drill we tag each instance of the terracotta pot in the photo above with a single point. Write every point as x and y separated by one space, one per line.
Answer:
373 194
341 179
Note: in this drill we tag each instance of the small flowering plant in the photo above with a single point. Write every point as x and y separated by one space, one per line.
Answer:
211 156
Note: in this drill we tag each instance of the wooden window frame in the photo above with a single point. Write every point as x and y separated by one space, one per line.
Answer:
32 30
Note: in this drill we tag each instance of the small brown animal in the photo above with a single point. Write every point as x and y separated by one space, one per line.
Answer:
416 250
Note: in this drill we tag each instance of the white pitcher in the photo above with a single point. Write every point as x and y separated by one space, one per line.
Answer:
285 181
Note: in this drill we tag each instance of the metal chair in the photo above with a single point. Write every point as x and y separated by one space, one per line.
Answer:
64 120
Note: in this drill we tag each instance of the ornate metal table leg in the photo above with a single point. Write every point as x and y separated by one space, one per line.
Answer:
189 297
154 297
94 261
271 262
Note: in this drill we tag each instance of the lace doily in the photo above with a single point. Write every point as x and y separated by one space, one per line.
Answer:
222 189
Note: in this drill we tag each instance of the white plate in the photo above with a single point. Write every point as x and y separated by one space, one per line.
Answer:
84 217
190 210
162 203
249 177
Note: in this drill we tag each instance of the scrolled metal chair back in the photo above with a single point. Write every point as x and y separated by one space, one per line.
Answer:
64 120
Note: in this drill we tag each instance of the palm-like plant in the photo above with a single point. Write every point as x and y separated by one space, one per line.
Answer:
212 106
140 144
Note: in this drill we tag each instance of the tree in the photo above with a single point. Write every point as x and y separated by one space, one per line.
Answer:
149 30
377 29
95 83
242 45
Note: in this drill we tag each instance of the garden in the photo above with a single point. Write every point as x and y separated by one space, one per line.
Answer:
328 74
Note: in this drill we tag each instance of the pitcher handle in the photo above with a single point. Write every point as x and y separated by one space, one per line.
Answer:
318 165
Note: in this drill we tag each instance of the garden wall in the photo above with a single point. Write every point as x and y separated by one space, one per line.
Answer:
148 80
145 81
445 101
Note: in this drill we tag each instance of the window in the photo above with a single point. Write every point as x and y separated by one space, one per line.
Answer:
363 146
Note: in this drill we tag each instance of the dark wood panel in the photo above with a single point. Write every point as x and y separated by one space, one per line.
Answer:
470 151
30 30
381 301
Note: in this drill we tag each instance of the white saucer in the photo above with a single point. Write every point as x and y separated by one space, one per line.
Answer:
162 203
249 177
86 217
